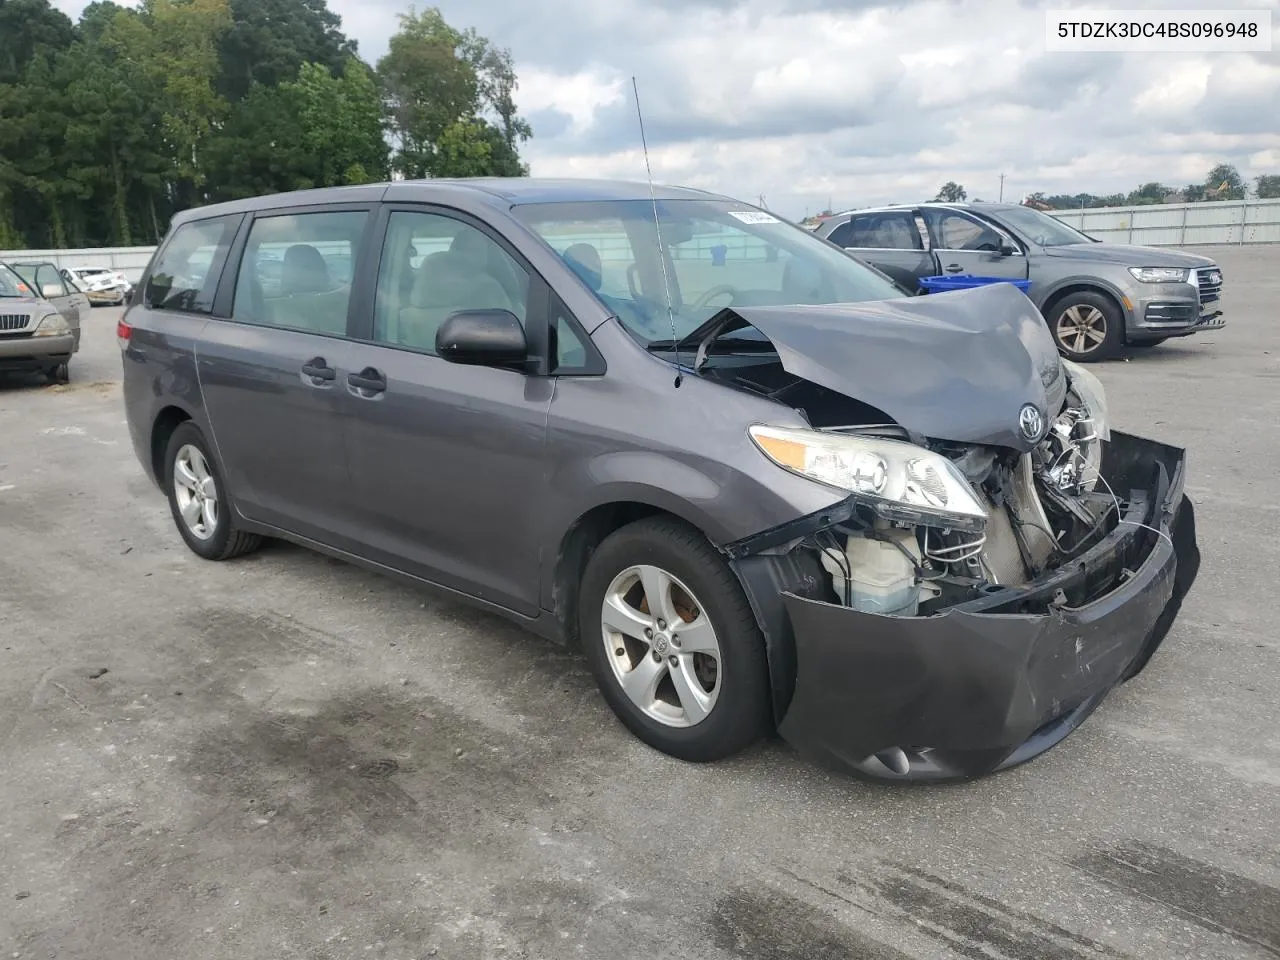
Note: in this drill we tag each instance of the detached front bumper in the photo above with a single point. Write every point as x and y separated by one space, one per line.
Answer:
993 682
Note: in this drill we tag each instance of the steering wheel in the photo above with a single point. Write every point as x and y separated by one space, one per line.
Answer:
714 292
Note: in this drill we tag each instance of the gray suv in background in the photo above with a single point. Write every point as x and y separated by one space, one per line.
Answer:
1095 296
756 482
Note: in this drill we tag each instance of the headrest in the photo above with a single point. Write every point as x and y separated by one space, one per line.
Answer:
304 270
584 260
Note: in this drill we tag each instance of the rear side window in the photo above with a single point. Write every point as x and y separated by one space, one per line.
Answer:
185 275
297 269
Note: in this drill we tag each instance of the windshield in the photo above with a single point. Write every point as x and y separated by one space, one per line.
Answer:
1042 229
715 254
12 285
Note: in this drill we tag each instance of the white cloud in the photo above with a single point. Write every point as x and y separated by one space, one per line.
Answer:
861 100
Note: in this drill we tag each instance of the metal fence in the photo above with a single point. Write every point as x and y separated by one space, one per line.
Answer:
1181 224
130 260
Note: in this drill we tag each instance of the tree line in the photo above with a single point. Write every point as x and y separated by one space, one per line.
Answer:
110 125
1223 182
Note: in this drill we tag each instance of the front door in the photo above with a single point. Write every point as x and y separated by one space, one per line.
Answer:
965 244
448 460
66 298
889 240
274 375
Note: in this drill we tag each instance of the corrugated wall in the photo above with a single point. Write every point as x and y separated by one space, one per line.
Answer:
1181 224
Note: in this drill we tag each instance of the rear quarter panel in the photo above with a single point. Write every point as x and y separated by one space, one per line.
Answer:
159 371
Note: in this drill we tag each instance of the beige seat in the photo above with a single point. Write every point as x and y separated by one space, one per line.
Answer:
446 283
309 299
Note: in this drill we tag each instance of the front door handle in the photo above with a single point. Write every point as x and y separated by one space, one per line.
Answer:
370 380
954 268
317 369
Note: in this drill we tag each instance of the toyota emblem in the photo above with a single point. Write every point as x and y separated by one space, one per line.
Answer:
1030 422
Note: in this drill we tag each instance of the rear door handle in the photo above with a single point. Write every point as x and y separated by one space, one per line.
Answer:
317 369
370 380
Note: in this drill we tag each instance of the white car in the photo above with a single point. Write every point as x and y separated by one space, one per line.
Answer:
100 284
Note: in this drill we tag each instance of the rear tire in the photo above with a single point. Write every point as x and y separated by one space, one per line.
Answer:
198 498
1086 326
706 695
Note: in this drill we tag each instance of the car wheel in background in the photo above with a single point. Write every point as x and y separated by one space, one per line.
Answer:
672 641
59 374
1086 326
198 498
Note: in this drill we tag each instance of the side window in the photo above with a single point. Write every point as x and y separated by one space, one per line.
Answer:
955 231
433 266
842 236
49 282
569 352
184 278
296 271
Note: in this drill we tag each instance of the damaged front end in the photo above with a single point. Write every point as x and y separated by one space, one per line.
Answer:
978 593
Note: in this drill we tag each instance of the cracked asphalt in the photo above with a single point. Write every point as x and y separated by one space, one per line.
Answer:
285 756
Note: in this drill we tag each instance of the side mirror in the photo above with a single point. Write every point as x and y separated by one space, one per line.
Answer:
51 290
1006 249
491 338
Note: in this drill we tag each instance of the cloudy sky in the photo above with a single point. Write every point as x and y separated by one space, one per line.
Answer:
860 101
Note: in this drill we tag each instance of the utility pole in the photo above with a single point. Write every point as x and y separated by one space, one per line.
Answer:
1002 188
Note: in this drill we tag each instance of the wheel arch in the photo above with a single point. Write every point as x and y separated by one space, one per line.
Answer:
166 421
1085 285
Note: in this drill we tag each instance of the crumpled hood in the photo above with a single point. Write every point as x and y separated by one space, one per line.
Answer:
951 366
1129 255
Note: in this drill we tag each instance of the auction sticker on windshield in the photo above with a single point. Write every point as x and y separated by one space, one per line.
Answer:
753 216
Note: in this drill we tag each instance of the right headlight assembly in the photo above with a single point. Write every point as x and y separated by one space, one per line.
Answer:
899 481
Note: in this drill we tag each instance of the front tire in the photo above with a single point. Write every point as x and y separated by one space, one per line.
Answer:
1086 326
198 498
59 373
673 643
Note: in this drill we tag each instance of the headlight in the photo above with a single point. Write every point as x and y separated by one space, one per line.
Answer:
1091 392
900 481
54 325
1159 274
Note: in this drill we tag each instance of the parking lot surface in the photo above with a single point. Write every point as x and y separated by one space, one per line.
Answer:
285 756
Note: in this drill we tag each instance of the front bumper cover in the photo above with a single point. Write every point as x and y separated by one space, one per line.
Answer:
993 682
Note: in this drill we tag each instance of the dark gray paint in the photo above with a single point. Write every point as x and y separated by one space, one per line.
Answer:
952 366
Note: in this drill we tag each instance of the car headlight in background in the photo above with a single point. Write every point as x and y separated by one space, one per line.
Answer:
54 325
900 481
1159 274
1092 394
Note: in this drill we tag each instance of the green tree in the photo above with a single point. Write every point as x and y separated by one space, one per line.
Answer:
1268 186
29 28
269 41
1148 193
951 192
1224 183
341 123
449 92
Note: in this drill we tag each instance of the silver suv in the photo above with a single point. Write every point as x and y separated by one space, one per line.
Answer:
1095 296
39 320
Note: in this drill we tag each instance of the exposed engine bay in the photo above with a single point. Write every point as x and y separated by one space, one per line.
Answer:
1041 498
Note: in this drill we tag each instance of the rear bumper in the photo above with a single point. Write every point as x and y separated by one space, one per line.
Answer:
996 681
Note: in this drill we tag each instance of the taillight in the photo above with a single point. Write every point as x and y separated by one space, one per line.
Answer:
123 333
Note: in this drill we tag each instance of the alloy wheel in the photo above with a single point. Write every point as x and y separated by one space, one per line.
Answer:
196 492
661 646
1081 328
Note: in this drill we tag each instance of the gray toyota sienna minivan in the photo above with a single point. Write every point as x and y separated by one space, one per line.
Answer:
756 483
